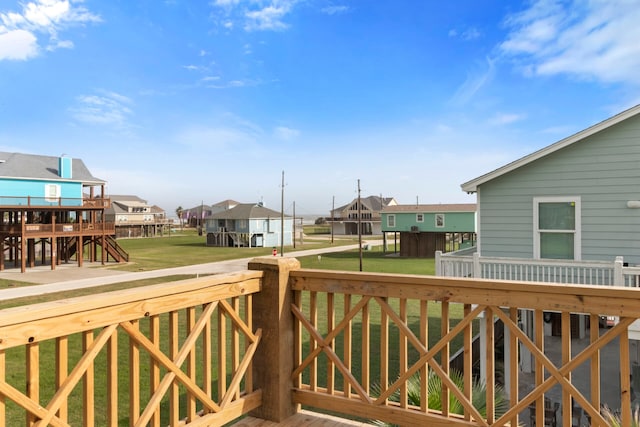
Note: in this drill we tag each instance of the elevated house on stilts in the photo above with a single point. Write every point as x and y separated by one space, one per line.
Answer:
52 211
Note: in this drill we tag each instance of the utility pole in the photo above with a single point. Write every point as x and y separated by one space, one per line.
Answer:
333 216
282 217
359 227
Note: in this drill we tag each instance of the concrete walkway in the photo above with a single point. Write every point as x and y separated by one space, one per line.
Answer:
69 276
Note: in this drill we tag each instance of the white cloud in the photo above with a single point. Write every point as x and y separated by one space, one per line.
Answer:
470 33
18 45
500 119
253 15
595 40
474 83
108 108
19 31
335 10
286 134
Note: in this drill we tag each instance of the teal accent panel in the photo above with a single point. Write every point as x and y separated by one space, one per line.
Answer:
65 167
16 192
454 222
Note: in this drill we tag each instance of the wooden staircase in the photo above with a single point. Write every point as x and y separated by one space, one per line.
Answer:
111 246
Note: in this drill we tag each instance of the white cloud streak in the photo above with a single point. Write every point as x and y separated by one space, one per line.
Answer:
253 15
593 40
20 31
108 108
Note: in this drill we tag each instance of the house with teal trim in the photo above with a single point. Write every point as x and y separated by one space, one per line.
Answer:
52 210
249 225
425 229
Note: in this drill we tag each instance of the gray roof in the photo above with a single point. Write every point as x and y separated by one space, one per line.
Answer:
246 211
374 203
33 166
453 207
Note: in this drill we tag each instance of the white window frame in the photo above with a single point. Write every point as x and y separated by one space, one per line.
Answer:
420 217
435 220
52 192
391 220
577 233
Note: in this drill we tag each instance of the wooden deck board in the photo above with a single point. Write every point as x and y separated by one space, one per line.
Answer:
302 418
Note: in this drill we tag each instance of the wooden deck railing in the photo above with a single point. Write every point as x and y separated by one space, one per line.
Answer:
204 351
62 229
366 343
48 202
170 354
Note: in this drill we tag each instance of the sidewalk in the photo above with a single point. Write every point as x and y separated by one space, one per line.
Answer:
69 276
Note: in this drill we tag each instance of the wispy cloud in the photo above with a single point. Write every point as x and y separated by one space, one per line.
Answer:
335 10
105 108
253 15
24 34
474 82
594 40
285 133
500 119
467 34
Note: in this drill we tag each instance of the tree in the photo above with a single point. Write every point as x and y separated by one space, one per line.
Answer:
179 213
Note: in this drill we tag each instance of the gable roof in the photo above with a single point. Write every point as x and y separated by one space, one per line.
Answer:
472 186
33 166
246 211
374 203
457 207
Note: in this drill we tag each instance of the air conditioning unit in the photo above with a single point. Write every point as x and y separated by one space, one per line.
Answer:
415 229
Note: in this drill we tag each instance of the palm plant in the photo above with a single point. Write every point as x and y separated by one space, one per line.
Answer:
434 395
614 419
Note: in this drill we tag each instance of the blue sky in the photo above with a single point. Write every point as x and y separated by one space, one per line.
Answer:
183 102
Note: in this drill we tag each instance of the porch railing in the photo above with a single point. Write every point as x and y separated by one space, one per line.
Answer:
48 202
608 273
170 354
204 351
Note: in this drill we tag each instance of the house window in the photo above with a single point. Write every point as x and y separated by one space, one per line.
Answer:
556 222
391 220
419 217
440 220
51 192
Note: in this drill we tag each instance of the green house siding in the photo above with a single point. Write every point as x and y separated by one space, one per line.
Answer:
601 170
454 222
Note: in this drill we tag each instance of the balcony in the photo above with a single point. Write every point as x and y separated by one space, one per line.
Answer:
28 202
64 229
266 340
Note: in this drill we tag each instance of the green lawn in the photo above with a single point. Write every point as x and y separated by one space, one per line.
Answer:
189 248
373 261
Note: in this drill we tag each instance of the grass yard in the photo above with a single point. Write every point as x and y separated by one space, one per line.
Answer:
189 248
373 261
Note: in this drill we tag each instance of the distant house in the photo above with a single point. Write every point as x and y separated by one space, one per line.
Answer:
248 225
577 199
134 217
345 219
425 229
52 210
196 216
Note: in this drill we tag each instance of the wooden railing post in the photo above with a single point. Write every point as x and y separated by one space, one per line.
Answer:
273 361
618 276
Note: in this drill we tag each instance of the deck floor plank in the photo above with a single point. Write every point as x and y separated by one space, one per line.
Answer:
302 418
